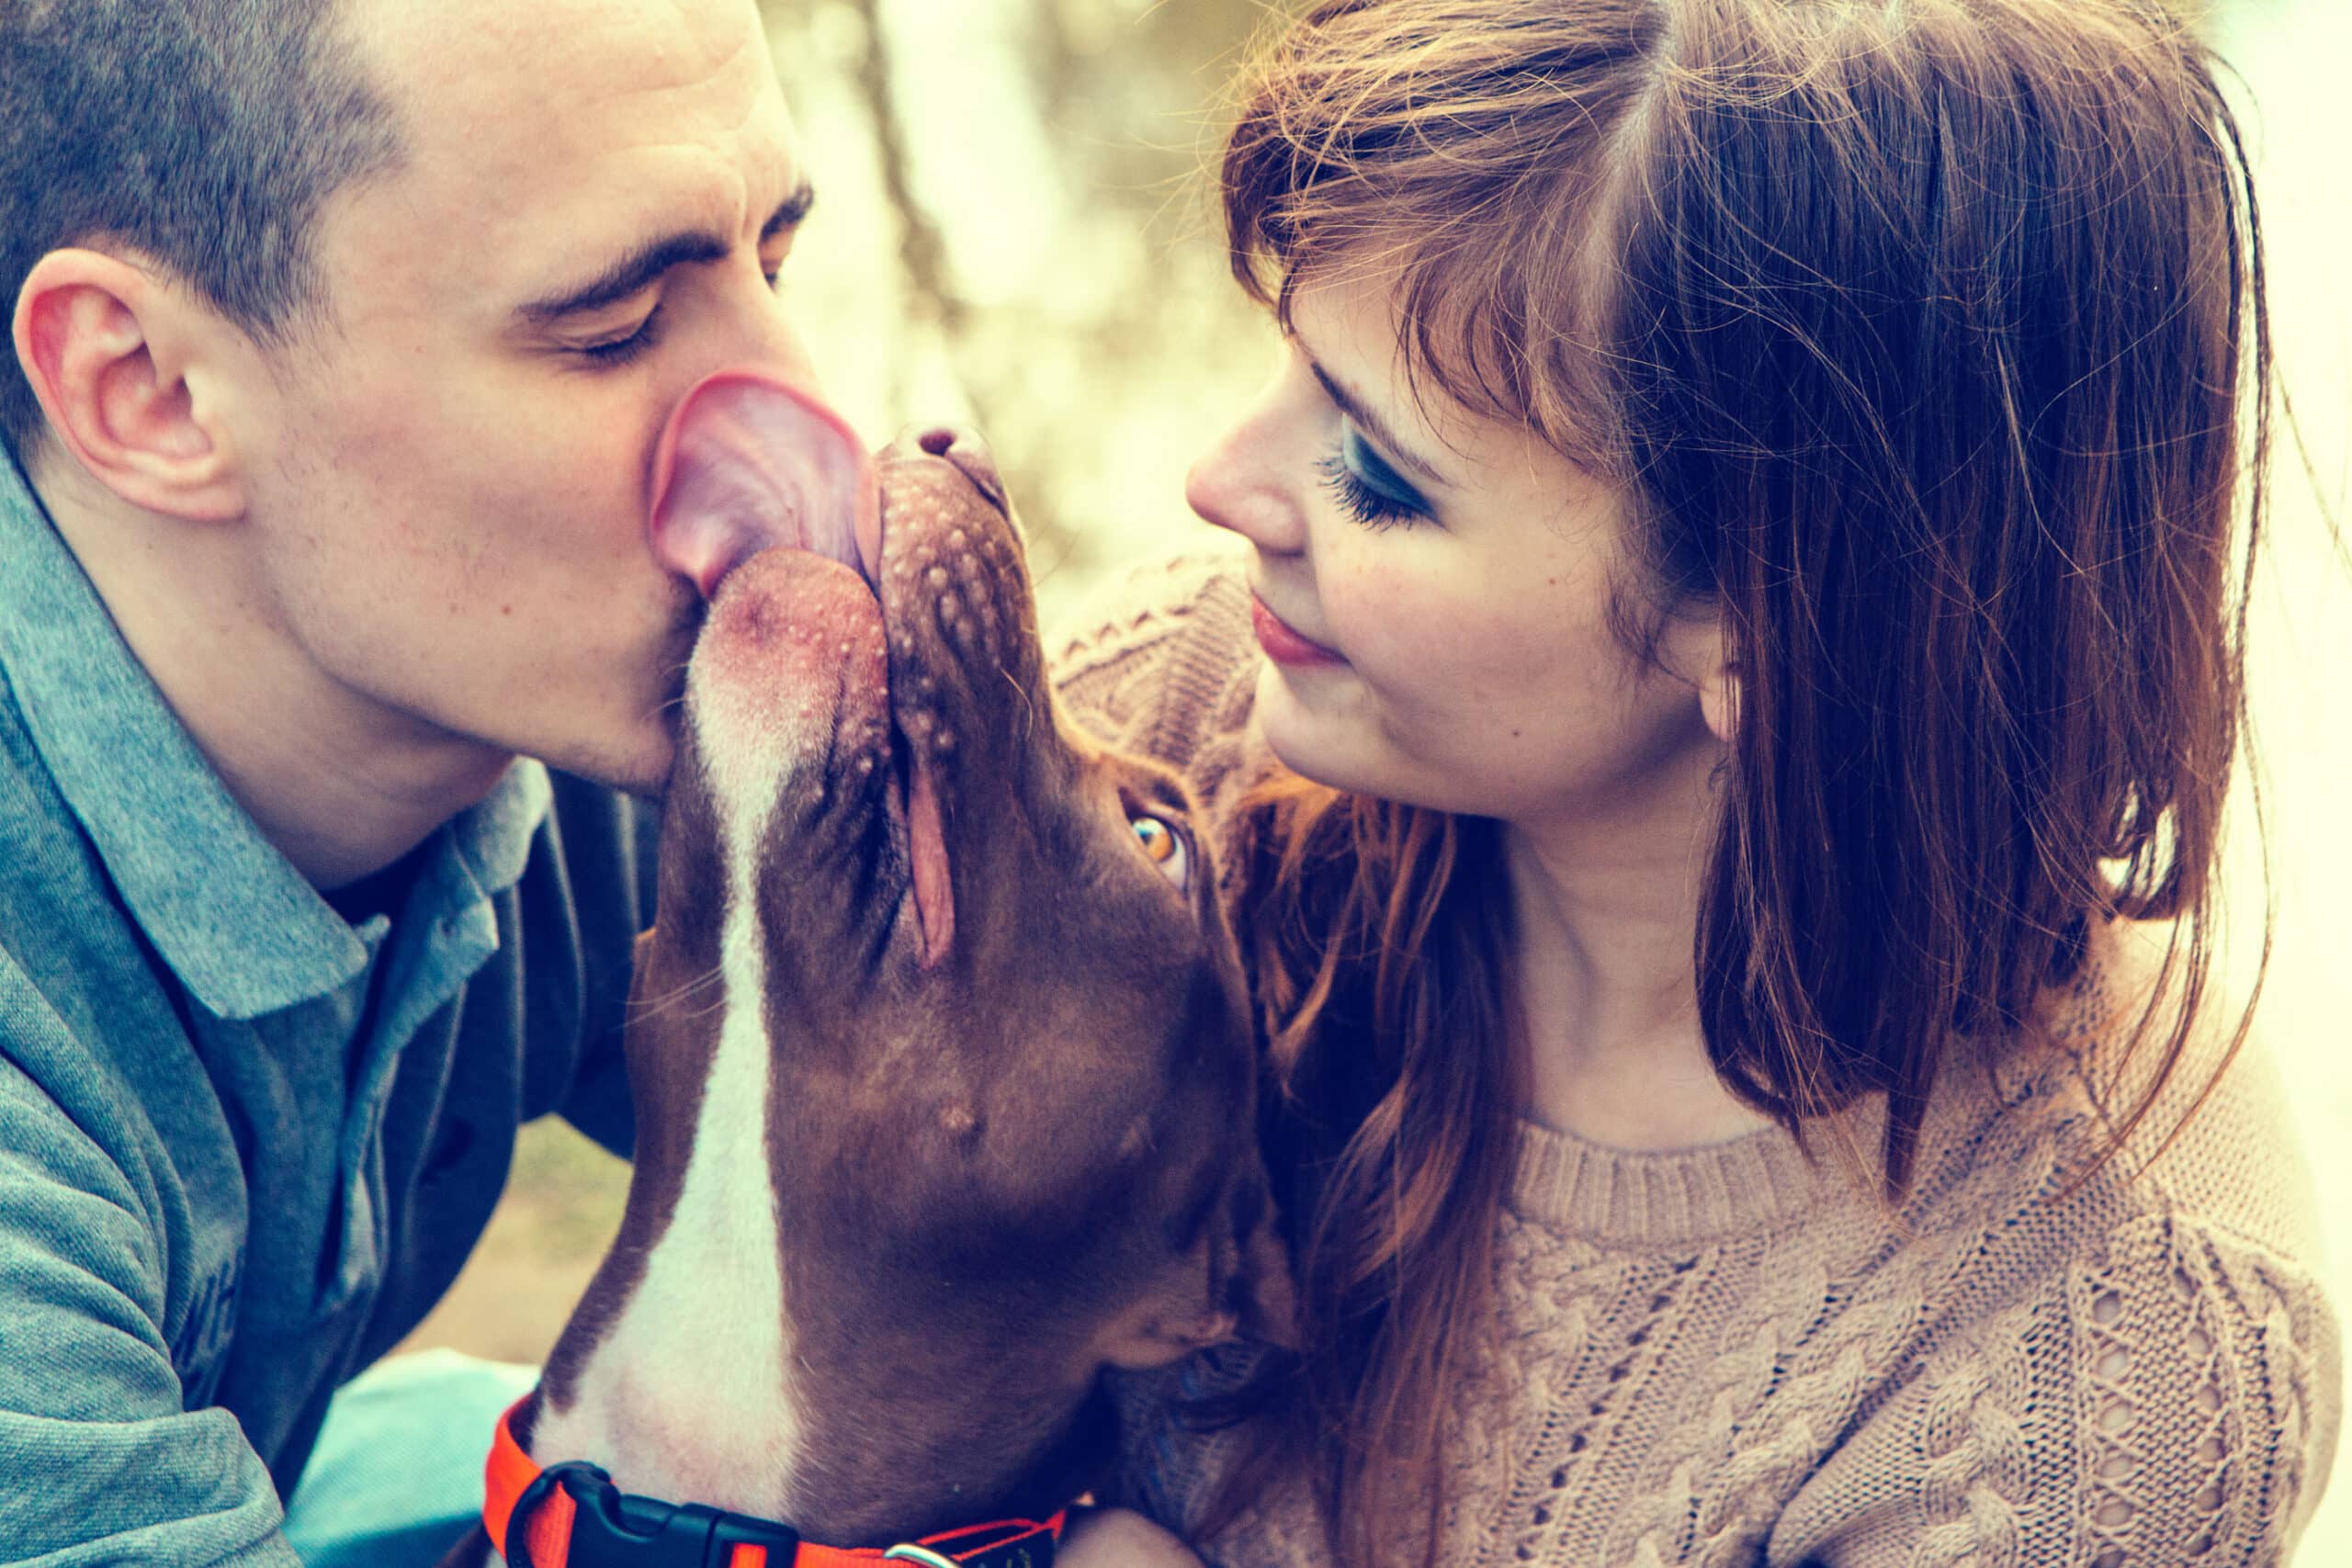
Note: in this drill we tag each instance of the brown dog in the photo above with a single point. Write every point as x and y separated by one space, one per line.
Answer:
942 1061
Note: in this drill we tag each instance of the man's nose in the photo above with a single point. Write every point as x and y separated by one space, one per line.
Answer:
963 446
757 330
790 354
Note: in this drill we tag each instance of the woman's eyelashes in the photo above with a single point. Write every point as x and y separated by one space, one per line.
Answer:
1366 487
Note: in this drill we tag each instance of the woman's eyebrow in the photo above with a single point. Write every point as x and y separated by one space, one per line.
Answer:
1371 422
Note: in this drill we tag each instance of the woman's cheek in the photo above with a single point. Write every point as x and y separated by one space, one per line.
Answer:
1383 612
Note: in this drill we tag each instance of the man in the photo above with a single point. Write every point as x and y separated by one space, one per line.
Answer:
344 332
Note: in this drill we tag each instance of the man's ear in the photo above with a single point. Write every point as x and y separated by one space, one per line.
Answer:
114 353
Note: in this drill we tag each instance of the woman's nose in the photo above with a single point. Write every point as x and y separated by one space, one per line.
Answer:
1236 485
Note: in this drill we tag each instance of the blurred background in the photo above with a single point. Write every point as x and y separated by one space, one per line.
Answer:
1013 229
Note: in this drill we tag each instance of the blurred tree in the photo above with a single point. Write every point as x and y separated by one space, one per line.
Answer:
1037 175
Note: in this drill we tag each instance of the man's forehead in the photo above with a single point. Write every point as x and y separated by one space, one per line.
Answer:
542 125
461 67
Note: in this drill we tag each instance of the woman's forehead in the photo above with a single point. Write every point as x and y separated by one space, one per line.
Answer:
1352 326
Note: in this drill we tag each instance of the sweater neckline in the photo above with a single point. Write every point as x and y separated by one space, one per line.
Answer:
1760 1181
1757 1182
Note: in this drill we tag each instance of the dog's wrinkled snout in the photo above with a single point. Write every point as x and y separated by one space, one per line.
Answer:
967 450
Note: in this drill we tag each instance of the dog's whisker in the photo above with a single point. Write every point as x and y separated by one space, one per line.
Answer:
707 977
643 1006
671 1007
1028 705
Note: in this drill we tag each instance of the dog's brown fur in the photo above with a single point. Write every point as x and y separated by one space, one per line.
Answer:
998 1175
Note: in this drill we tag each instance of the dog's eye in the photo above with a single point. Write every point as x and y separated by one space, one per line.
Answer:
1167 851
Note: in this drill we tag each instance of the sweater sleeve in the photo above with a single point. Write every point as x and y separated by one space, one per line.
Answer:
1160 662
2169 1400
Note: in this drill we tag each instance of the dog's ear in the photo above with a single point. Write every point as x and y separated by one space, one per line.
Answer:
1235 1284
1265 1289
641 958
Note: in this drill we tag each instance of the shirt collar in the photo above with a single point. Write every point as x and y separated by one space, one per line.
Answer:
241 927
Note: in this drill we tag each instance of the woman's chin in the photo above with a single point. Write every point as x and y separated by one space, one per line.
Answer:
1336 734
1321 733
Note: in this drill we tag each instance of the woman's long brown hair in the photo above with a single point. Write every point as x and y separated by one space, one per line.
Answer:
1927 340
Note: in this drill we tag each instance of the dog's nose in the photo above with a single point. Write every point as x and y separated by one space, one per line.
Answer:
965 448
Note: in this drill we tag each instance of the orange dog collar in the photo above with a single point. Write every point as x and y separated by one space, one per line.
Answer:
571 1515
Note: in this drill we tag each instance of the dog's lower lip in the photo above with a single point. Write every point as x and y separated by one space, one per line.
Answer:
749 460
709 591
1284 643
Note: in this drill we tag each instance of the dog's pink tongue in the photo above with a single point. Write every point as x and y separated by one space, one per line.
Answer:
750 462
927 847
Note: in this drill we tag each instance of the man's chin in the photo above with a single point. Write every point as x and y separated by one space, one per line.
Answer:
629 745
638 764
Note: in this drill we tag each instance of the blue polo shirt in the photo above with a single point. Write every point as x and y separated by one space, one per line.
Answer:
245 1143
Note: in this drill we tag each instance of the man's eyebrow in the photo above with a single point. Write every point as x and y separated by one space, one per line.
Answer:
1371 424
643 267
793 213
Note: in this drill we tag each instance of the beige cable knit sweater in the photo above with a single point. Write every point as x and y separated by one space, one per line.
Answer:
1727 1355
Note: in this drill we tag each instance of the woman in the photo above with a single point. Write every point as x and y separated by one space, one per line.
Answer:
1749 546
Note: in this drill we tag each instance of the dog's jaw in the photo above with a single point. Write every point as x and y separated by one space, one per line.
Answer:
688 1394
932 1148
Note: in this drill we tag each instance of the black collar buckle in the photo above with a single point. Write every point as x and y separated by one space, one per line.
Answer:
611 1528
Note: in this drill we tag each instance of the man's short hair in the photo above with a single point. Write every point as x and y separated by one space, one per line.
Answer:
204 134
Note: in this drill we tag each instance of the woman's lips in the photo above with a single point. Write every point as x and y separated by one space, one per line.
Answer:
1283 642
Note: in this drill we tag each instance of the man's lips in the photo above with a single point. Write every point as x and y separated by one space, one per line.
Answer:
1284 643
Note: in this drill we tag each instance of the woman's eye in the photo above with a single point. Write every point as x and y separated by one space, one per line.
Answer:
1164 848
1367 488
